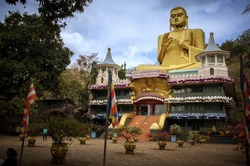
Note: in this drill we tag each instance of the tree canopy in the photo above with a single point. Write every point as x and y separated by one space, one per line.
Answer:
30 49
56 10
237 48
122 71
75 81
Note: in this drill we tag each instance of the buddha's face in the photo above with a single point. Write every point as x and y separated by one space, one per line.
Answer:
178 18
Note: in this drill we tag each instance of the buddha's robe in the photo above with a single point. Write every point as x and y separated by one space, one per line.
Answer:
176 57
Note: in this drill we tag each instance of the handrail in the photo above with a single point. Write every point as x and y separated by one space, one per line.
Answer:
160 125
124 119
162 120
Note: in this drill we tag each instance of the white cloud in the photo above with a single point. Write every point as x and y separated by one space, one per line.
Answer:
131 28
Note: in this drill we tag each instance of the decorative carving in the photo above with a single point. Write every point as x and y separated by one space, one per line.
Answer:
156 87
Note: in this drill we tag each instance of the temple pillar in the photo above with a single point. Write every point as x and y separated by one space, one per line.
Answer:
152 109
168 108
135 111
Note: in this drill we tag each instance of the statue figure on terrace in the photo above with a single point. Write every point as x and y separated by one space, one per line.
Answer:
177 48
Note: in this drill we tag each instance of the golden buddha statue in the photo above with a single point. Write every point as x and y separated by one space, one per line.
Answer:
177 48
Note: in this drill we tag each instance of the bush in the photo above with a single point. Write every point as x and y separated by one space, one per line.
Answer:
175 129
130 132
59 128
164 136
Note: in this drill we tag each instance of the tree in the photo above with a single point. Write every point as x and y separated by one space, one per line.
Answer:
88 67
87 64
71 85
231 46
75 81
11 113
122 72
56 10
30 49
244 41
238 47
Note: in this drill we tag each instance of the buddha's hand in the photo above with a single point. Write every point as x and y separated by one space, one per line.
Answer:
168 42
181 43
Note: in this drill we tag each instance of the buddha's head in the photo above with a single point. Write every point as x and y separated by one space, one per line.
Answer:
178 18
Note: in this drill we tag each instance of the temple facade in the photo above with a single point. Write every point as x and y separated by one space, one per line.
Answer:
196 99
98 99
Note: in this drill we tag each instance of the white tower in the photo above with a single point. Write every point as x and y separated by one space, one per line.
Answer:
213 60
104 67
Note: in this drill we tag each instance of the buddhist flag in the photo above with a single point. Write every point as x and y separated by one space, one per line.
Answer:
31 98
245 99
112 107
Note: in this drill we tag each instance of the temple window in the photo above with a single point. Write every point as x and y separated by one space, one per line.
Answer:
211 58
211 71
203 60
177 108
178 90
219 58
195 108
194 89
103 70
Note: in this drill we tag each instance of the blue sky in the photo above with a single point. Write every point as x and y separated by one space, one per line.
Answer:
131 27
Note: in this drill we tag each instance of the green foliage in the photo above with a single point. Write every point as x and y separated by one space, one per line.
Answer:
241 46
34 129
93 72
244 41
175 129
75 81
84 130
12 112
122 74
164 136
235 50
182 135
237 117
59 128
130 132
56 10
71 84
194 136
114 132
30 49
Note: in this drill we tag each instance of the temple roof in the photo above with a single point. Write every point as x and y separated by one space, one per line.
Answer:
212 48
109 59
211 44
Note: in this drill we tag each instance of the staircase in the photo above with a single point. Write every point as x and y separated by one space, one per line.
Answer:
144 122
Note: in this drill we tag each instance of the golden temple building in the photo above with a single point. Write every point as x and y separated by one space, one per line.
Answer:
190 86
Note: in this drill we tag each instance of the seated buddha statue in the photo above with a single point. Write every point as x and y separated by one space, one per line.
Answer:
177 48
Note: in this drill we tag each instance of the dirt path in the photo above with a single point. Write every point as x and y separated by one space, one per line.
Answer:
146 154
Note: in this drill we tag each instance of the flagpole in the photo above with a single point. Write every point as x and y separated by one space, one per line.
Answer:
245 96
247 152
31 97
107 118
105 142
21 155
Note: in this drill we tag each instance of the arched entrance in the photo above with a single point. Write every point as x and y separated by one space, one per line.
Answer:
154 106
